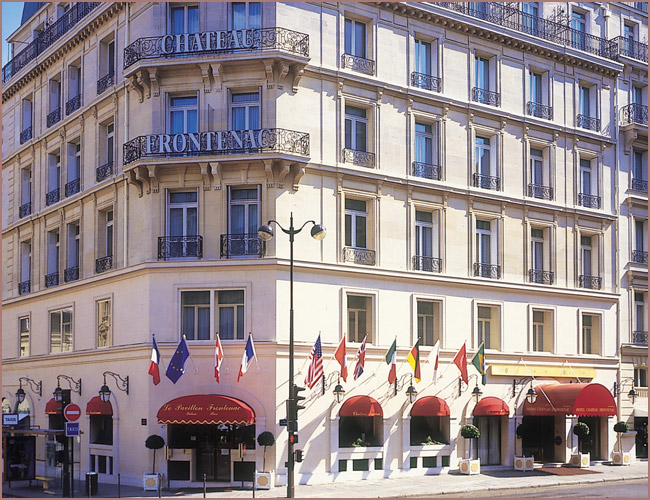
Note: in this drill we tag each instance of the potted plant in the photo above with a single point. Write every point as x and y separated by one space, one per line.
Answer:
150 481
580 459
265 479
469 465
621 457
522 463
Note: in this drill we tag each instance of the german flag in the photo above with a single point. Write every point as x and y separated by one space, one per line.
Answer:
414 360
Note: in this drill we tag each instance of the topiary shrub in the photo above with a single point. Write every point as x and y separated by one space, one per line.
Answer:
470 431
265 439
581 429
154 442
620 427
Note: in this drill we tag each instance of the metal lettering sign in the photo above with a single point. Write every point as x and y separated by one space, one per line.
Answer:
283 422
72 429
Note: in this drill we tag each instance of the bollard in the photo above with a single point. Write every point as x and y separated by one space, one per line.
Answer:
159 486
254 482
118 486
204 491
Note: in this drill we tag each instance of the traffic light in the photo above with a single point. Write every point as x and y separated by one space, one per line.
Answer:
297 399
293 437
298 455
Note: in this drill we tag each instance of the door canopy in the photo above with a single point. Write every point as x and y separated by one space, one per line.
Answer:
491 406
361 406
206 409
583 400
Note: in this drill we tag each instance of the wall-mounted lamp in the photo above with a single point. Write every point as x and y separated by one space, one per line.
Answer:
75 385
477 393
339 392
618 388
411 392
37 388
121 383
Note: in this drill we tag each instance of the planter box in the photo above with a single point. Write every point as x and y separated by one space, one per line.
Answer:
621 458
524 463
470 466
264 480
580 460
150 482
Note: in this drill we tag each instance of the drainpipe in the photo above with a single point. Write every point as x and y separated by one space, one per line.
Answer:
126 135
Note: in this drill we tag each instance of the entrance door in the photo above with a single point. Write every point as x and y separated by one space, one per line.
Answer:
641 428
591 443
223 464
537 438
205 462
489 442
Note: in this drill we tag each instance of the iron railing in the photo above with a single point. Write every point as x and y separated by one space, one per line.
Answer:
634 113
105 82
51 279
426 170
361 158
103 264
25 209
486 181
431 264
541 276
52 197
54 117
426 82
486 96
640 337
180 247
588 122
588 200
236 245
591 282
357 63
71 274
539 110
26 135
73 105
104 171
359 256
622 46
24 287
639 257
540 192
640 185
487 270
72 187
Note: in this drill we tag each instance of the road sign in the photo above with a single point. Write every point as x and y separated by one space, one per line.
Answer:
283 422
9 419
71 429
72 412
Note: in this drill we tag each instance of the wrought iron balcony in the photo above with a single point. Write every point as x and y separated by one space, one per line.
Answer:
589 123
486 96
634 113
640 185
541 276
361 158
639 257
26 135
359 256
103 264
486 181
539 110
640 337
24 287
72 187
180 247
540 192
54 117
105 82
25 209
622 46
52 197
216 43
592 282
71 274
238 245
357 63
104 172
266 140
73 105
487 270
426 170
51 279
588 200
431 264
426 82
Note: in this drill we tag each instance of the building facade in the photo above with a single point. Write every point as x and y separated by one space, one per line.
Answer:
476 169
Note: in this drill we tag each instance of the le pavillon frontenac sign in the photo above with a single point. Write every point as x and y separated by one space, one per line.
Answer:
206 409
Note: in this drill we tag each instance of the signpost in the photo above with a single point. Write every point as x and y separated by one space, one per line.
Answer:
283 422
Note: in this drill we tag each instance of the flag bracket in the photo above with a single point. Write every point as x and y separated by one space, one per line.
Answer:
460 383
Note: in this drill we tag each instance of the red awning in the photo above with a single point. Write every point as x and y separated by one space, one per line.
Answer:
430 406
206 409
361 406
97 407
53 408
583 400
490 406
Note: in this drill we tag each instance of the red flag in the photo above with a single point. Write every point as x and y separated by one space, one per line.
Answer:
460 360
339 355
154 364
218 358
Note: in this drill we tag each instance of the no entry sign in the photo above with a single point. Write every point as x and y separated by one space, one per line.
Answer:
72 412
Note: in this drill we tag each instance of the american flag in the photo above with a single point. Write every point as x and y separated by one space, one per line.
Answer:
315 371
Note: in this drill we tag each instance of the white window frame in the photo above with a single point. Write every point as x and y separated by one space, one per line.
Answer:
26 185
352 37
182 109
491 150
431 60
247 16
74 248
60 310
184 205
54 171
246 204
549 321
27 114
74 160
435 318
535 243
423 136
640 311
584 248
245 105
492 234
354 120
598 335
55 94
185 7
53 250
499 316
110 143
25 260
370 320
217 313
353 224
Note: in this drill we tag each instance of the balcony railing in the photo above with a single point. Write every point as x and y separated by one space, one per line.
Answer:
51 279
238 245
357 63
540 192
539 110
634 113
105 82
52 197
486 181
588 200
426 170
25 209
72 187
47 37
24 287
180 247
426 82
640 185
73 105
266 140
588 122
71 274
639 257
103 264
640 337
486 96
104 172
359 256
487 270
592 282
361 158
54 117
622 46
431 264
541 276
26 135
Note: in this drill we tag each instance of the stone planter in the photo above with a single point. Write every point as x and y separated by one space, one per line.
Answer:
581 460
621 458
264 480
150 482
470 466
524 463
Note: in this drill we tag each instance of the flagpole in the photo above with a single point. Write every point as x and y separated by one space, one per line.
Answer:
189 353
160 358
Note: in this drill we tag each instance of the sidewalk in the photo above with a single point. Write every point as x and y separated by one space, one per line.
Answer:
497 478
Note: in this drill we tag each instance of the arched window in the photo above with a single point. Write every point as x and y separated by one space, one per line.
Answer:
360 423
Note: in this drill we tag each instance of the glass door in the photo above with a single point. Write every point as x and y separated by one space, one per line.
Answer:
182 224
244 221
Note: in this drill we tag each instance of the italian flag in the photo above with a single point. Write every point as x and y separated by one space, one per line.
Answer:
391 359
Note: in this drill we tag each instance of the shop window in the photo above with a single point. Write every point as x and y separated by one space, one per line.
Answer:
359 309
590 341
488 327
101 464
429 430
183 19
429 462
61 330
413 462
343 465
104 329
101 429
24 323
428 322
360 431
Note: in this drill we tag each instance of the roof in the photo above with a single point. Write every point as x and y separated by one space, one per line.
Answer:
29 9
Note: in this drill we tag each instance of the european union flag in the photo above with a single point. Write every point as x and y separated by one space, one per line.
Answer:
175 369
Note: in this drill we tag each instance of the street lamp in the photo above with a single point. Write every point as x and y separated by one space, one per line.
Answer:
411 392
121 383
37 388
477 393
531 395
265 232
339 391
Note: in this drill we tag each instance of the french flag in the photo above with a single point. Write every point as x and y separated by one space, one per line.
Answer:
247 358
154 368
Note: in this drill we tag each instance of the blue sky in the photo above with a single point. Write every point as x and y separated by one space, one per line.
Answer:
11 14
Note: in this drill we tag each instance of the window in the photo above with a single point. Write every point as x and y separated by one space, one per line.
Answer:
639 312
25 266
588 195
537 248
428 322
423 58
638 171
55 98
230 305
246 15
355 38
537 166
429 429
530 14
640 376
542 331
485 163
72 270
26 130
54 178
24 336
104 323
74 88
363 431
585 177
184 19
182 213
481 72
423 234
590 334
485 244
585 101
637 95
356 129
61 330
585 252
105 235
53 252
482 155
356 221
639 235
359 318
579 25
226 307
183 114
488 326
536 87
243 221
25 191
245 111
628 34
195 315
101 430
110 143
73 185
102 464
539 186
425 145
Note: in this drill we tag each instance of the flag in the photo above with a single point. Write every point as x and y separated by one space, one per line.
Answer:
247 357
479 362
339 355
435 356
460 360
218 358
154 365
361 359
176 368
391 359
414 360
315 371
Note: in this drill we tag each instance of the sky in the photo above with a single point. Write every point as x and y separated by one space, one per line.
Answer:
11 14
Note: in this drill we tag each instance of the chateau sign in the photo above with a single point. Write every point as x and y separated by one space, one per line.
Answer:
205 409
184 43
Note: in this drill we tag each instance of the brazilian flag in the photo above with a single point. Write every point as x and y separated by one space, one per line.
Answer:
479 362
